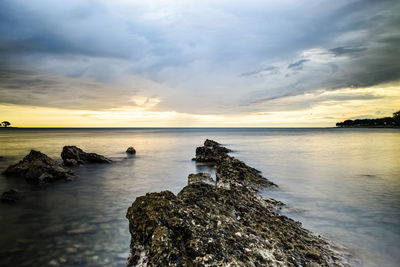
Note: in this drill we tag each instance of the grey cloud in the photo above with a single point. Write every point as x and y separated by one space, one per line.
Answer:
61 92
270 70
345 50
298 65
201 57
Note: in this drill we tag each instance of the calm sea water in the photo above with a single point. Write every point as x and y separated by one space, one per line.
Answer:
341 183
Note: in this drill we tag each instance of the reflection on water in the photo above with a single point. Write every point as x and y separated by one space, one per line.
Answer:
346 182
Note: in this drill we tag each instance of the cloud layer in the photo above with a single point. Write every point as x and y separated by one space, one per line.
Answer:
195 57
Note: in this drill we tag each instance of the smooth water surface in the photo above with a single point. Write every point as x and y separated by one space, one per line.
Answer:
341 183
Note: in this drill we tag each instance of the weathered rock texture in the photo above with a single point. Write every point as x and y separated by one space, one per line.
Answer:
37 167
202 177
131 150
73 155
226 224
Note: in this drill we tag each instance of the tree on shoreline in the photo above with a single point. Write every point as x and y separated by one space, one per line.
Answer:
389 122
5 124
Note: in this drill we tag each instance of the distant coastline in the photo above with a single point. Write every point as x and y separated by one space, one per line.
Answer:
387 122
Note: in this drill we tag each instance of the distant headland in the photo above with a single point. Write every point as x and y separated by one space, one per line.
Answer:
387 122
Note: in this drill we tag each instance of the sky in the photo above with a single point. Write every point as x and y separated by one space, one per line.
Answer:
183 63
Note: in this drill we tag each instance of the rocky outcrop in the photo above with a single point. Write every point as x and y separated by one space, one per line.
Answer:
223 224
131 150
11 196
37 167
73 155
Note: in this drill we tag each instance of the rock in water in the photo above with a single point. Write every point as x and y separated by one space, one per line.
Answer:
38 168
131 150
73 155
211 152
227 224
11 196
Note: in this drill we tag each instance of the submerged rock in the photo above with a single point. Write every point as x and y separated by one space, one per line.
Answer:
73 155
11 196
131 150
226 224
38 168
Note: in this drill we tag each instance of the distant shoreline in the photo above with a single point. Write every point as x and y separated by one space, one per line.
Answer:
196 128
387 122
377 127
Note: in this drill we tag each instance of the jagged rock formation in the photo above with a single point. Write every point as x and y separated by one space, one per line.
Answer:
37 167
223 224
131 150
73 155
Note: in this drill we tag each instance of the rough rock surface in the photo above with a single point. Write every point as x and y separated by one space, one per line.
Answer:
200 178
226 224
209 142
11 196
131 150
38 168
73 155
211 152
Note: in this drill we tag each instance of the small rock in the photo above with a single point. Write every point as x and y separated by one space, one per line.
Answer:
131 150
11 196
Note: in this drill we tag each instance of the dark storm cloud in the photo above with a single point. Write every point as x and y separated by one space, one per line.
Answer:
189 53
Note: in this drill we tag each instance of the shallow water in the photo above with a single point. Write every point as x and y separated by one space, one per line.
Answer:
341 183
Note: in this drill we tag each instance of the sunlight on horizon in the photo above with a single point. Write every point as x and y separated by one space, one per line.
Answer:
324 113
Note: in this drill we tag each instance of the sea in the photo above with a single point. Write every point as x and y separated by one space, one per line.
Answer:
341 184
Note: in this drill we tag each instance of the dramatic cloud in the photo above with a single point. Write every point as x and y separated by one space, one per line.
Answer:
195 57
